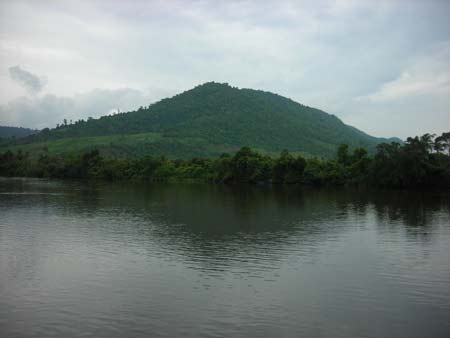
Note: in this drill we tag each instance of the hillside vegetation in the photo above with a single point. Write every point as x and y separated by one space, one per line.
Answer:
206 121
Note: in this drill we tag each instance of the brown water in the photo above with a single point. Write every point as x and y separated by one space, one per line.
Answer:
81 259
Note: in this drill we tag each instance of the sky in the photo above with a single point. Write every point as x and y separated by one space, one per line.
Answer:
381 66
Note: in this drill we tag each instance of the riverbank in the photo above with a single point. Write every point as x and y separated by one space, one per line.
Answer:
410 165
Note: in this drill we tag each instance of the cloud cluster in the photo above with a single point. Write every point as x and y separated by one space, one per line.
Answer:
31 82
429 75
415 102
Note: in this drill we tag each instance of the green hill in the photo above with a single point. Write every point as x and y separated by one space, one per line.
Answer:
206 121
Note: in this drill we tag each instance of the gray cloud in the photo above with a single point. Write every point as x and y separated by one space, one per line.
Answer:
31 82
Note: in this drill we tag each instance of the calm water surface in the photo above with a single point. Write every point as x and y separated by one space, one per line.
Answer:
84 259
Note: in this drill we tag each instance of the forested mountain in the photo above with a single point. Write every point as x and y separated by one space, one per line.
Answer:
17 132
206 121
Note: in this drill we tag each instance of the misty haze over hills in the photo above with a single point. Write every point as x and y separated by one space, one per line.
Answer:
16 132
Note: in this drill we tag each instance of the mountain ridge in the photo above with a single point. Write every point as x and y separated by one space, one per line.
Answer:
16 132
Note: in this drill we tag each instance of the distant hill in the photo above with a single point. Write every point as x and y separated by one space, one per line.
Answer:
206 121
16 132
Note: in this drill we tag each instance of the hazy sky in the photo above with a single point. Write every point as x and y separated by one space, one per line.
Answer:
382 66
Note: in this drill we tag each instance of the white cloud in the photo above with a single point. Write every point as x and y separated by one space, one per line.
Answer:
414 103
429 75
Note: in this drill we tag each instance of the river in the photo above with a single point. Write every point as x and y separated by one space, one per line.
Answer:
92 259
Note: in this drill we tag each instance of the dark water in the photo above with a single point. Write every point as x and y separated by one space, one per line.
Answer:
103 260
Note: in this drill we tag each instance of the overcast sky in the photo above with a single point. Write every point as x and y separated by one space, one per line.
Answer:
382 66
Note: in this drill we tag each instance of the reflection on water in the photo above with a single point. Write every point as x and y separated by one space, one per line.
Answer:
84 259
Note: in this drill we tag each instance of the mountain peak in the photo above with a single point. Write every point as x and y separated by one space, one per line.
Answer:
214 84
211 85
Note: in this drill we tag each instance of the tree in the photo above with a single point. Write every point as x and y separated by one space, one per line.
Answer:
442 143
249 166
342 154
288 169
360 164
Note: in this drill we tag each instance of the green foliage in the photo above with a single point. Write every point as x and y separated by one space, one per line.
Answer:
205 121
288 169
343 157
442 143
413 164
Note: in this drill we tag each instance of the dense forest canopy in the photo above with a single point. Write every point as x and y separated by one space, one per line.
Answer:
206 121
419 162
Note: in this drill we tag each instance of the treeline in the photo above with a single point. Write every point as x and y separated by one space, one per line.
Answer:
419 162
